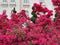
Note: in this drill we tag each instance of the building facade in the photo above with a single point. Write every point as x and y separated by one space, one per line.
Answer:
8 5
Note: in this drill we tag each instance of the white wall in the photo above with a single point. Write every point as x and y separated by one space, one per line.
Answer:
21 5
9 7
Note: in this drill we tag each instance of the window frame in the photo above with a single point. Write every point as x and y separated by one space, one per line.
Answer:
4 0
42 1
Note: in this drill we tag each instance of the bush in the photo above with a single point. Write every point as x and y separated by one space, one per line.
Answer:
42 31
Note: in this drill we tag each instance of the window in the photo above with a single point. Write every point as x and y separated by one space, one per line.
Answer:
4 0
26 1
42 1
12 0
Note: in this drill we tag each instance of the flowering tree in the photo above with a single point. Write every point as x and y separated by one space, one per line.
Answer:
41 30
56 3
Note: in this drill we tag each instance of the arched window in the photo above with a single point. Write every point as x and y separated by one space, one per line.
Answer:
12 0
26 1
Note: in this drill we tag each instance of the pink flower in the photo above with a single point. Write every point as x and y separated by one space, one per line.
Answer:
55 44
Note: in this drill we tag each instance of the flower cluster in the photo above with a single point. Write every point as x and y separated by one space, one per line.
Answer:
57 10
43 32
56 2
39 8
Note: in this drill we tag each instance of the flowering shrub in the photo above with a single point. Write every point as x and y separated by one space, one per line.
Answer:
44 31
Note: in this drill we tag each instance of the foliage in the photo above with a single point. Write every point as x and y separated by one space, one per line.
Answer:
14 11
